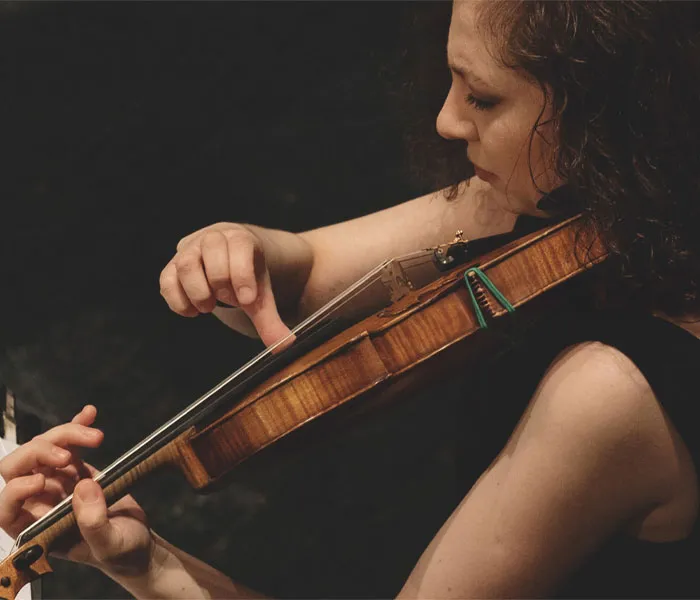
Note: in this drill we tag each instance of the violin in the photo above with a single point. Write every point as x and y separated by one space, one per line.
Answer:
409 321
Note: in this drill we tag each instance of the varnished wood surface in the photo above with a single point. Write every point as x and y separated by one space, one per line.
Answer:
424 335
373 355
17 579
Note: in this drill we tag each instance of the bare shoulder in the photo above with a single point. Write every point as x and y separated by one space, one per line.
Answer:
595 409
594 403
593 379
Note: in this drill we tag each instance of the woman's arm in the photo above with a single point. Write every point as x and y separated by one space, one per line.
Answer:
177 575
592 455
344 252
309 269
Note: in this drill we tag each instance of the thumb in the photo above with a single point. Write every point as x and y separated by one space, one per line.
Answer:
264 315
90 509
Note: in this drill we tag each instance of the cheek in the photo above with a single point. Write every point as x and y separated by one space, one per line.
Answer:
506 139
507 142
520 154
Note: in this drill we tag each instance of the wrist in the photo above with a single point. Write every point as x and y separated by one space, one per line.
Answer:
289 258
174 574
150 581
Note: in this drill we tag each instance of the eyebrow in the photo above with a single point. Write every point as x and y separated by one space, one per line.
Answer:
465 73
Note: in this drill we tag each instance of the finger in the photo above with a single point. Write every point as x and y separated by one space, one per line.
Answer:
193 279
70 475
14 494
69 472
91 516
187 239
243 252
88 470
72 434
69 437
195 234
86 416
57 485
78 469
265 317
38 452
174 294
215 258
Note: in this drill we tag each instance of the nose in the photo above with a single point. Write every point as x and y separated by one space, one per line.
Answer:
453 122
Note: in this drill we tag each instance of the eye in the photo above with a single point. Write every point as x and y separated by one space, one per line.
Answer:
480 103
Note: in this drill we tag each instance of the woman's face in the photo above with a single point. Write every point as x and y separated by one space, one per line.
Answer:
494 109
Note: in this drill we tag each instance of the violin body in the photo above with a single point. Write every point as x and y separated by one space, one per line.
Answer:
428 334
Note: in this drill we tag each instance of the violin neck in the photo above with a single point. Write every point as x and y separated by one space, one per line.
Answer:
61 519
386 283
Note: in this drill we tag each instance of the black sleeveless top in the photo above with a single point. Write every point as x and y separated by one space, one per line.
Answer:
378 493
669 358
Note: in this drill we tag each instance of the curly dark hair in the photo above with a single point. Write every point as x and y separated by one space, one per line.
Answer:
623 79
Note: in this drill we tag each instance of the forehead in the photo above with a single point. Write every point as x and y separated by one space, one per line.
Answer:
467 50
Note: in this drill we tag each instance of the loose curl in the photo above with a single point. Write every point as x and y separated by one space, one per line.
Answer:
623 79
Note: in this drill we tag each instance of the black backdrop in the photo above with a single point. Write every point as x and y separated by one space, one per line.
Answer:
128 125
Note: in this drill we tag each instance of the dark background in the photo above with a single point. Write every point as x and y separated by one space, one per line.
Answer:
126 126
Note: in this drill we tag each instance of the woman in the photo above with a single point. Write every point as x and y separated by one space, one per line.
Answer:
595 490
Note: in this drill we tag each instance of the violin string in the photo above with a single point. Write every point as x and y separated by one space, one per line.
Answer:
197 409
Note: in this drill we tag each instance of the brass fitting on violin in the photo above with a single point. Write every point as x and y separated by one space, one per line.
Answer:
451 254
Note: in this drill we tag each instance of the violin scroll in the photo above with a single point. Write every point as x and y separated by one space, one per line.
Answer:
27 563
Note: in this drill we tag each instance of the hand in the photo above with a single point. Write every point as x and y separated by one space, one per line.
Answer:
45 470
224 262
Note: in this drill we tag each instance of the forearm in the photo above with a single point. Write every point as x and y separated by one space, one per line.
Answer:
289 257
344 252
177 575
311 268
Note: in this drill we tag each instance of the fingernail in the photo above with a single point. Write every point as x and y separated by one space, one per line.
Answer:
88 493
245 294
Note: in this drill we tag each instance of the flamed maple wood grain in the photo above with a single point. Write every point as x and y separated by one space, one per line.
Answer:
377 354
423 336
